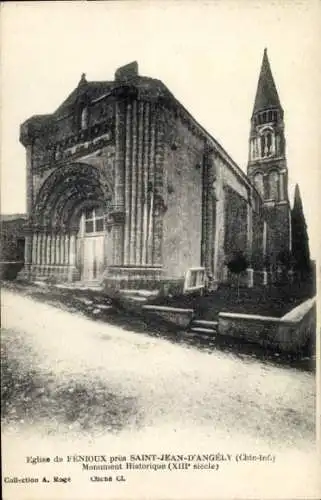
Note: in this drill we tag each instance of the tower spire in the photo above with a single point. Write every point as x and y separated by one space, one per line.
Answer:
266 94
267 167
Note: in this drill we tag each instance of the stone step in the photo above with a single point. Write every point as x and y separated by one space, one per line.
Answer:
203 331
80 285
205 323
104 307
134 298
139 293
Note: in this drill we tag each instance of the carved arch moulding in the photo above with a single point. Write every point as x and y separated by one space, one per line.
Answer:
65 190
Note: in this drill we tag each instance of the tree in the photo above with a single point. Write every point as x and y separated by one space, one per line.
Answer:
300 239
237 264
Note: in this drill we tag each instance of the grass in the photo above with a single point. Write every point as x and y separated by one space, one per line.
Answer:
266 301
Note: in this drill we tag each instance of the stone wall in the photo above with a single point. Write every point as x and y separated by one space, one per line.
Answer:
257 258
173 315
235 223
291 333
131 277
62 138
182 188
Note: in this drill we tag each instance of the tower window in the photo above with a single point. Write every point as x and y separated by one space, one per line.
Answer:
267 143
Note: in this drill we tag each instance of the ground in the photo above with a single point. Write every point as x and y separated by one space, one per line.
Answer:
68 379
272 300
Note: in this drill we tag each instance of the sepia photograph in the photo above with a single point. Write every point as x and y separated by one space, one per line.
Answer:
160 243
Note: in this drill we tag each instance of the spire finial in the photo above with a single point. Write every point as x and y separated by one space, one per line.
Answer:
83 79
266 94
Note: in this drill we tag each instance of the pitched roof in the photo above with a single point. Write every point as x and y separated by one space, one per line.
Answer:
266 93
89 90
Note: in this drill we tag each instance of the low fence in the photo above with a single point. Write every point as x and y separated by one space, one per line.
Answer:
291 333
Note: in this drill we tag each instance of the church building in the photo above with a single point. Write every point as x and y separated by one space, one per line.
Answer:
127 190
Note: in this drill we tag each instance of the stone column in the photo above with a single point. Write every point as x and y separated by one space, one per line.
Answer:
146 157
281 186
53 249
151 183
159 184
119 187
57 249
34 248
249 242
48 259
66 253
264 252
62 249
27 254
128 181
209 199
140 124
250 277
72 255
256 147
265 277
133 222
43 249
264 239
38 248
221 270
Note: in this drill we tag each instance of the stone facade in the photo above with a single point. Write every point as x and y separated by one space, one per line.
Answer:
124 187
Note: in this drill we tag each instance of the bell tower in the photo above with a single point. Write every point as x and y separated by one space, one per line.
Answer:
267 166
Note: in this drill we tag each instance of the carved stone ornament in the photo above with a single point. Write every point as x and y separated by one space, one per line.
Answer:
115 216
159 204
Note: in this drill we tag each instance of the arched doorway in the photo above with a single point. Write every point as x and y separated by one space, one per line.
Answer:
70 237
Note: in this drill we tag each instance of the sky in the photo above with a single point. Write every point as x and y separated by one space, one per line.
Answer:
207 53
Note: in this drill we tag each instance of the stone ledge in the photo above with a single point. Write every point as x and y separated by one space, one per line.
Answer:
298 313
168 309
177 316
249 317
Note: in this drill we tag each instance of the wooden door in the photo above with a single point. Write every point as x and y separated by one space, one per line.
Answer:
92 239
93 257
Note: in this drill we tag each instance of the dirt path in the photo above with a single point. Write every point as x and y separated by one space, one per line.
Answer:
155 380
66 377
